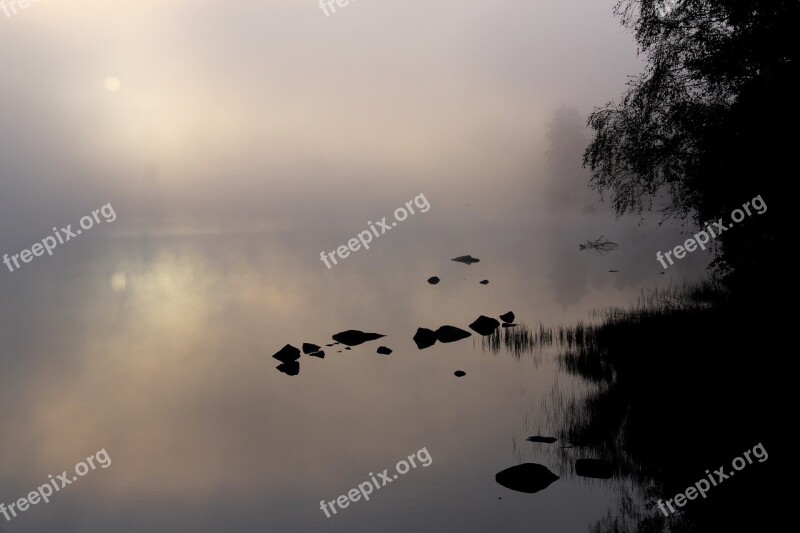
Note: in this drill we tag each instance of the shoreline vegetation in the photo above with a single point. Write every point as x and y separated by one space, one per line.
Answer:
676 384
690 377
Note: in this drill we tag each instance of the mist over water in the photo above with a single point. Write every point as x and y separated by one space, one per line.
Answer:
243 140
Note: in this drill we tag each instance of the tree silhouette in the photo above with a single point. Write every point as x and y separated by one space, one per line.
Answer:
709 124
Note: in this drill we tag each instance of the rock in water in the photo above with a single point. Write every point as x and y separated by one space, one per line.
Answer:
383 350
290 368
509 325
424 338
466 259
433 280
287 354
484 325
508 318
546 440
353 337
459 373
451 334
527 477
596 468
484 282
309 348
319 354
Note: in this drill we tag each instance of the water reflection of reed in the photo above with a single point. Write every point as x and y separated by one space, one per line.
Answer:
653 375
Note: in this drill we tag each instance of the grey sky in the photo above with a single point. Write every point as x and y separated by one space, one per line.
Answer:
259 113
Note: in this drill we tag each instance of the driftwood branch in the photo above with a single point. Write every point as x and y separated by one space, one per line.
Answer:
600 245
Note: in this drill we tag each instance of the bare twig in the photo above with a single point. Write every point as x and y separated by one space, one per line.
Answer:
600 245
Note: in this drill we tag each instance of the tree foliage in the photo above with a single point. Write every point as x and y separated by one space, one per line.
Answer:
710 122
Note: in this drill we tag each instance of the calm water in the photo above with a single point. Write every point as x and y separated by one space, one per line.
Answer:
238 146
157 348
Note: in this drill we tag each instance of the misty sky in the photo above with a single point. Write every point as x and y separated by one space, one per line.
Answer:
268 114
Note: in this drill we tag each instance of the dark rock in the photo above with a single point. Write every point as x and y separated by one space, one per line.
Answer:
508 318
459 373
310 348
509 325
527 477
466 259
433 280
484 282
596 468
287 354
319 354
332 344
424 338
347 348
383 350
353 337
451 334
546 440
484 325
290 368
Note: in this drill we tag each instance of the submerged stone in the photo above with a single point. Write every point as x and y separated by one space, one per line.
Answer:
310 348
538 438
484 325
451 334
353 337
527 477
287 354
291 368
424 338
508 318
466 259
